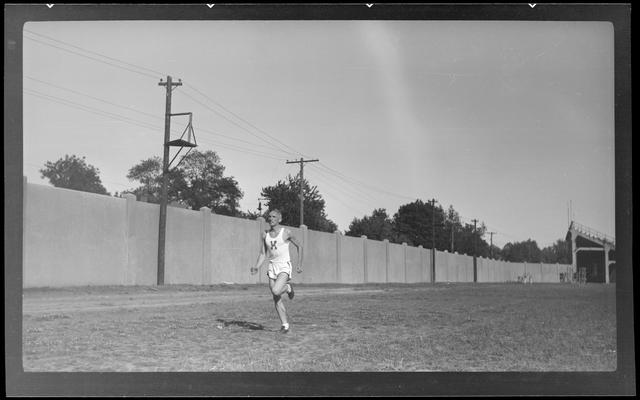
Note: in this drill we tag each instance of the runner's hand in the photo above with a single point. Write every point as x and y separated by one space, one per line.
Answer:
254 270
299 269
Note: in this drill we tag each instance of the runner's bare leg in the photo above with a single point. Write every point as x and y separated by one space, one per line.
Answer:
278 287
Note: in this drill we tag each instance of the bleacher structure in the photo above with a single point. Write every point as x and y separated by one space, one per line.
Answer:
592 252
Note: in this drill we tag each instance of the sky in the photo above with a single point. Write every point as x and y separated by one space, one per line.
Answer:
509 122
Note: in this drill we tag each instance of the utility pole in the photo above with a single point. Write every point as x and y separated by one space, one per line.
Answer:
165 167
491 244
433 238
260 204
475 260
433 223
451 237
301 162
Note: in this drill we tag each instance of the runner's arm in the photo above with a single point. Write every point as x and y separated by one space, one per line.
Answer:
261 257
298 245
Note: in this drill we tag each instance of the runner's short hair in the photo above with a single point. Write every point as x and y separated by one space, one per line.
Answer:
275 210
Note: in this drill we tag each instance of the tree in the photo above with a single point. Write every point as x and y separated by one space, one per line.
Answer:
559 252
469 241
452 227
526 251
495 252
413 224
378 226
149 173
73 172
198 181
464 238
482 247
204 184
285 196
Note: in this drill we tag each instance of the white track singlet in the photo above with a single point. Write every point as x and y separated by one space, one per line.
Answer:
279 260
278 247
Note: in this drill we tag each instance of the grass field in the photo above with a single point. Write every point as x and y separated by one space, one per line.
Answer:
394 327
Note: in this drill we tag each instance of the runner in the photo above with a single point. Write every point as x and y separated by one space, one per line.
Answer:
275 242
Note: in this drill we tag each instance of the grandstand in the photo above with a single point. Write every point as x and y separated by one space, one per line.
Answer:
593 253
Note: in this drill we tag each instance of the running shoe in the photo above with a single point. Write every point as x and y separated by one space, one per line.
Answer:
291 293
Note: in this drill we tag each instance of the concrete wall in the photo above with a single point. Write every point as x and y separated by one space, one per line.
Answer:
74 238
234 248
141 242
462 268
183 258
454 267
320 259
442 267
516 270
376 261
414 267
397 260
351 259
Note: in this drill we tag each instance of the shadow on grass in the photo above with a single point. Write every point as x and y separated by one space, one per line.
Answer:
243 324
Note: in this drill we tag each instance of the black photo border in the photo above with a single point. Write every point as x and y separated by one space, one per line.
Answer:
20 383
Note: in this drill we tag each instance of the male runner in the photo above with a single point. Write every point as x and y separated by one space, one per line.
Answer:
275 242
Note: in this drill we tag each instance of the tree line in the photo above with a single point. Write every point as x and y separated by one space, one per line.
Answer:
199 181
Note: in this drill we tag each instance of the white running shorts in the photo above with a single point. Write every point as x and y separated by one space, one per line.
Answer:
275 268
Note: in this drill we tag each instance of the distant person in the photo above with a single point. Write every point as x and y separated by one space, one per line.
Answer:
275 243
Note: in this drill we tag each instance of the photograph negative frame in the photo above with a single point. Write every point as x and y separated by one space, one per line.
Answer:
20 383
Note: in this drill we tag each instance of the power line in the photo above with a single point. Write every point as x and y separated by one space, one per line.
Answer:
92 52
352 184
342 176
238 125
238 140
94 98
90 109
142 124
243 150
370 187
334 172
148 69
352 192
327 182
91 58
245 121
337 198
160 73
138 111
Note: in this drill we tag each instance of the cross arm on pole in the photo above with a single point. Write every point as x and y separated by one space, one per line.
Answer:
301 162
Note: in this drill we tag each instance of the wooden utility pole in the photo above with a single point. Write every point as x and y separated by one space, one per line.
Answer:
433 238
260 205
451 237
301 162
491 244
162 230
475 260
